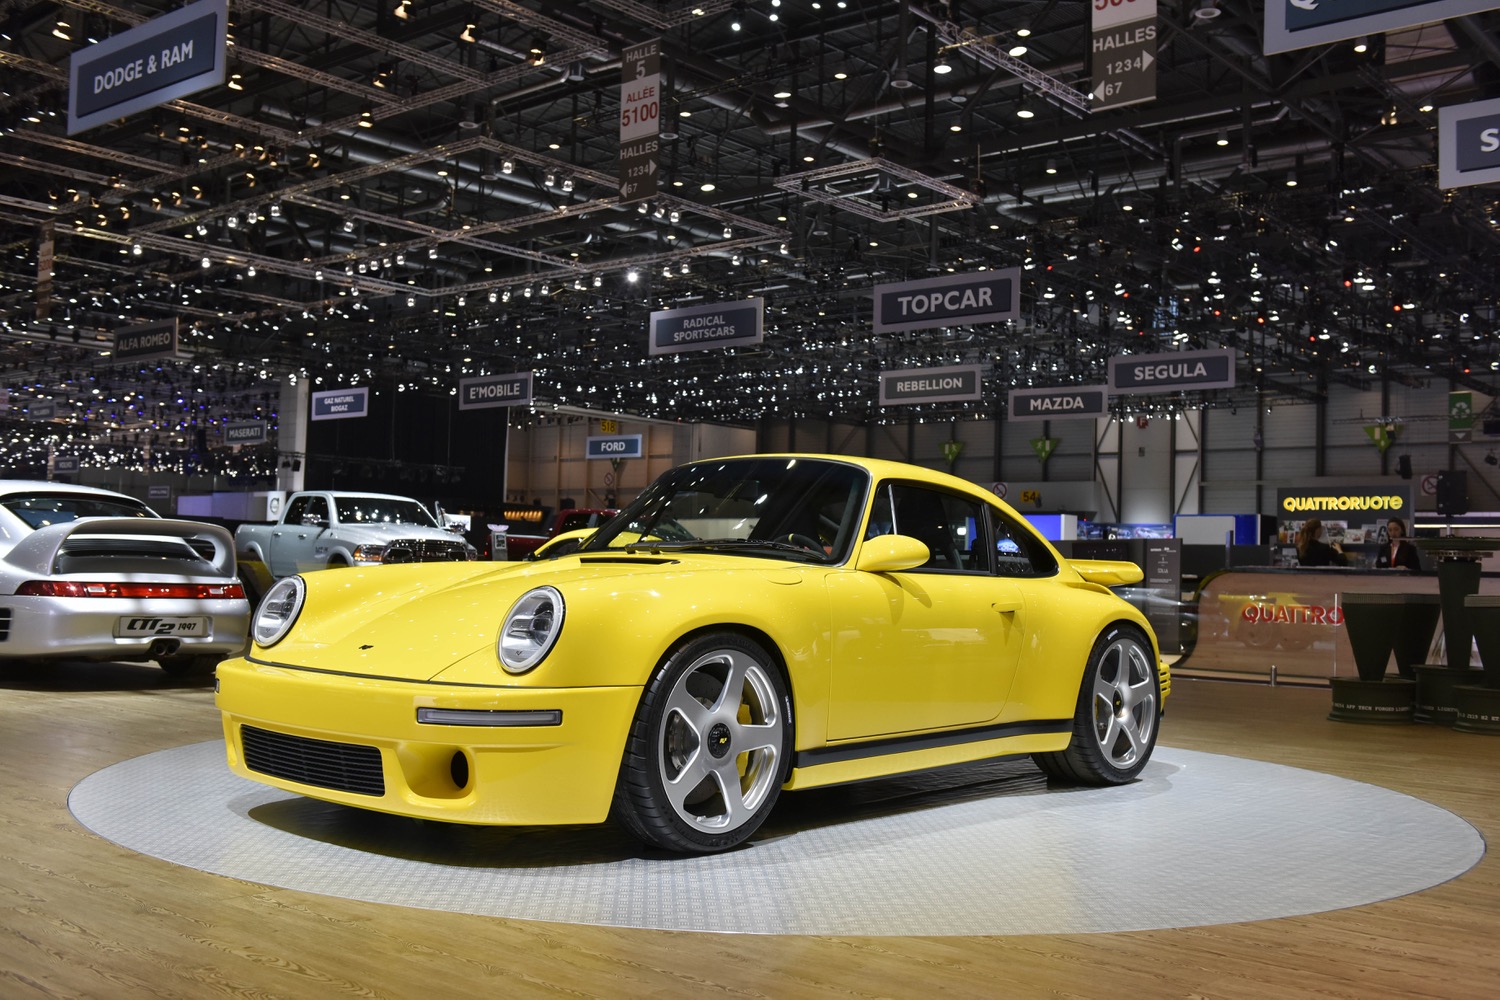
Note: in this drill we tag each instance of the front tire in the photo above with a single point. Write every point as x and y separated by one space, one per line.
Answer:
1119 707
708 749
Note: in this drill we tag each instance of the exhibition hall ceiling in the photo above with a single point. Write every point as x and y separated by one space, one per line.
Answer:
403 193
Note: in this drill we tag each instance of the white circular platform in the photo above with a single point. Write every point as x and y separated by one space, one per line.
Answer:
985 849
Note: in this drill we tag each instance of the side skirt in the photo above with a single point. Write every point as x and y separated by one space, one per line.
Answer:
856 761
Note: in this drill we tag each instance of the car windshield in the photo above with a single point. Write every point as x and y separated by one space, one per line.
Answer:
797 508
383 510
41 509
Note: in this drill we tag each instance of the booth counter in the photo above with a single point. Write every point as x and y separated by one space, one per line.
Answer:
1287 625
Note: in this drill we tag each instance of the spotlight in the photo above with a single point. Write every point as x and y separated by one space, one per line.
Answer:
941 67
467 35
401 10
507 166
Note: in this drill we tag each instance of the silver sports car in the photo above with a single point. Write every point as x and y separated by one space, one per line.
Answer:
90 574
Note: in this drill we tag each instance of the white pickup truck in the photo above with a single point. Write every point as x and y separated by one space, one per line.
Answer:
326 529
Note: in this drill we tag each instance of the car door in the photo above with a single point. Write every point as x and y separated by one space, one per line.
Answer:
932 647
292 540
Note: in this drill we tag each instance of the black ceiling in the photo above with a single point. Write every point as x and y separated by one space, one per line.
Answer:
357 161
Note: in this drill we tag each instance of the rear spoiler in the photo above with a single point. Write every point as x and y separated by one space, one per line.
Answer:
36 554
1108 572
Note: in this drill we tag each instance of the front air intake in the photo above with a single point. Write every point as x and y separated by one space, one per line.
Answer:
344 767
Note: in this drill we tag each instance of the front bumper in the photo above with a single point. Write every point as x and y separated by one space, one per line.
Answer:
84 627
309 728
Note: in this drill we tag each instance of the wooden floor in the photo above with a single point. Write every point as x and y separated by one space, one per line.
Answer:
80 917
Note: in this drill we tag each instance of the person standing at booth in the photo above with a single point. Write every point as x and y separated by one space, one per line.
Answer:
1312 550
1398 553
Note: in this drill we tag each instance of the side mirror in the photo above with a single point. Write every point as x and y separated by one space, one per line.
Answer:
891 554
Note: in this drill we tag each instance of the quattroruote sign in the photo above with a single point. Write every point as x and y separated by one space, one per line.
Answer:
1051 404
1172 371
952 300
1298 24
171 56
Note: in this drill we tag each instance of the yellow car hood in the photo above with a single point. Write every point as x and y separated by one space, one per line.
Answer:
415 622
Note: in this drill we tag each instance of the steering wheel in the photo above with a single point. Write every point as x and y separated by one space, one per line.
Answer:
807 542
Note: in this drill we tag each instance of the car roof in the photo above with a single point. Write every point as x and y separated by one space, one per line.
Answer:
8 486
879 468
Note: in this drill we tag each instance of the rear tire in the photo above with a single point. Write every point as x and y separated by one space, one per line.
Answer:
1117 716
707 752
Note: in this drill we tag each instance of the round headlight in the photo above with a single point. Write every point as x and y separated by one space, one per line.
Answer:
530 629
278 611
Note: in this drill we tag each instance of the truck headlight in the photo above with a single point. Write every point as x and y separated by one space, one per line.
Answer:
369 553
530 629
278 611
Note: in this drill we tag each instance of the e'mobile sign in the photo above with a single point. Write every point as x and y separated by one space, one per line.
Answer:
1172 371
952 300
698 328
171 56
494 390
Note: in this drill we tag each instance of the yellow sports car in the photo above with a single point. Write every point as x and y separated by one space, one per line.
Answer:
747 625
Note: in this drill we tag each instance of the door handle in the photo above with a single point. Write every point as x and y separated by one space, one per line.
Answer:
1007 606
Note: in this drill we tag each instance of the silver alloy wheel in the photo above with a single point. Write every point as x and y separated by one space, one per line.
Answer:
720 740
1124 700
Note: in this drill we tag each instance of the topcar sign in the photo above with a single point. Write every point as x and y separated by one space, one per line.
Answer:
952 300
957 383
1172 371
697 328
494 390
1298 24
167 57
1051 404
1469 144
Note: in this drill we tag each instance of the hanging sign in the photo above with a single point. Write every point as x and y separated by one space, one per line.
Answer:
248 432
1469 144
340 404
486 391
42 409
146 340
931 385
1172 371
1051 404
616 446
1298 24
171 56
640 120
1124 53
697 328
952 300
65 465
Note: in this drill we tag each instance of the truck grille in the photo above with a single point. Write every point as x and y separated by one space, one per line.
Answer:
410 550
344 767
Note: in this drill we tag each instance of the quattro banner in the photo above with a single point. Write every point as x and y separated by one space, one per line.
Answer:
1050 404
698 328
952 300
1174 370
956 383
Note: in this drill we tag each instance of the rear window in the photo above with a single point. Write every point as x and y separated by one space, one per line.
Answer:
41 509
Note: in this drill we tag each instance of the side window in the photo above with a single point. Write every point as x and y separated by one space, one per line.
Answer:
1017 551
952 527
316 507
295 510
